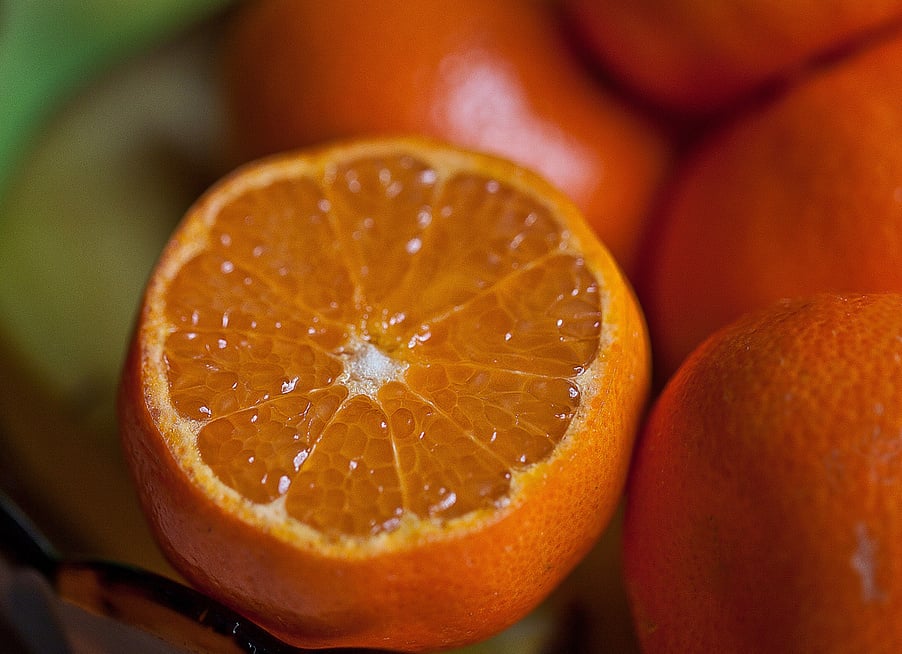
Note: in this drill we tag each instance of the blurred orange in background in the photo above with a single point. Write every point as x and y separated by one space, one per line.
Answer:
701 57
802 194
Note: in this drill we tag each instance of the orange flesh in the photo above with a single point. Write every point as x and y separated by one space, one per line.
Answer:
370 345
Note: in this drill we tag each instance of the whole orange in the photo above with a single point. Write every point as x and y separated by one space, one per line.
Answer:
493 76
801 195
764 507
697 56
383 394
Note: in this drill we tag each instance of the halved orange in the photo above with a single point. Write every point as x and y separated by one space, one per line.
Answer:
383 393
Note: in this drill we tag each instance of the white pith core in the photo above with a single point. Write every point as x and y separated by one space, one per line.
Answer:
367 368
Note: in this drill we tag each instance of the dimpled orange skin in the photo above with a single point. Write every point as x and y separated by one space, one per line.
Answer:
701 57
764 509
491 76
443 591
798 197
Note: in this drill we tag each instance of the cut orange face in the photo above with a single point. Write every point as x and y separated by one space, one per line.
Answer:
383 394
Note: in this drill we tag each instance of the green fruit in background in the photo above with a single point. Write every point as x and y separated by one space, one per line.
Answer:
84 216
49 47
89 209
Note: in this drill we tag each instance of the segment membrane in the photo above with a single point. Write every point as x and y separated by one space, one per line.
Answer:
259 450
381 209
543 320
350 484
518 417
480 232
446 472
